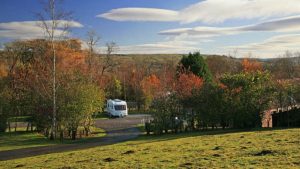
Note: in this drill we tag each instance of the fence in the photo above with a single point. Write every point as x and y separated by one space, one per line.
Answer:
290 118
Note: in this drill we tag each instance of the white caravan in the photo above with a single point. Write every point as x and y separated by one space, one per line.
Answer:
117 108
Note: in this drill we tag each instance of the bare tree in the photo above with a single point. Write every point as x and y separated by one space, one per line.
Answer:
109 63
285 67
91 40
55 23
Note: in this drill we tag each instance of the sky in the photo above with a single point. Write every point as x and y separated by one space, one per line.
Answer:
240 28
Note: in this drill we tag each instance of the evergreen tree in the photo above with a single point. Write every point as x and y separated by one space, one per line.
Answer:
195 63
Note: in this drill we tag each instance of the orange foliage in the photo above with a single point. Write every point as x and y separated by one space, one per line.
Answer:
187 83
69 58
151 85
3 70
251 66
222 86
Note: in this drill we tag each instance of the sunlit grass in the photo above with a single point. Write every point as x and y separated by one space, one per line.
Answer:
253 149
23 139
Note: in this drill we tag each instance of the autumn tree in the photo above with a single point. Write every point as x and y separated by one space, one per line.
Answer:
151 88
187 84
251 65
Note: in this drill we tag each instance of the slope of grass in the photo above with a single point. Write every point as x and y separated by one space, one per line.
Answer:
253 149
23 139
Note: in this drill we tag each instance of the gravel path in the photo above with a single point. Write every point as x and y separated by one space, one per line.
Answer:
118 130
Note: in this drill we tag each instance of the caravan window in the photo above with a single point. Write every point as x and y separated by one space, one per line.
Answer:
120 107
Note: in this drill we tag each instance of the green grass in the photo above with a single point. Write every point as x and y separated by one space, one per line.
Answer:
138 112
20 119
19 129
100 116
217 149
141 127
23 139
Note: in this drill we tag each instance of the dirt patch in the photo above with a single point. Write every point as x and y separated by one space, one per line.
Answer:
128 152
82 161
243 148
296 163
19 165
264 152
242 137
186 165
216 155
109 159
217 148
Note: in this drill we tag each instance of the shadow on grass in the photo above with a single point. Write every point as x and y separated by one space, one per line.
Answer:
173 136
24 139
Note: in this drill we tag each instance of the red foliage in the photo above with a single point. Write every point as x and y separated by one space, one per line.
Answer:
151 85
251 66
187 83
222 86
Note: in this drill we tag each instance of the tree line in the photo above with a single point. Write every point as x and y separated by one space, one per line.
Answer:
228 100
181 94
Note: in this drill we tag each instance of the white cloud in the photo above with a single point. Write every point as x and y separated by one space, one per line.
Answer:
165 47
286 24
141 14
271 47
210 11
217 11
31 29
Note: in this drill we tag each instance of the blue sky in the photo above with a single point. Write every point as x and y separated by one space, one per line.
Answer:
260 28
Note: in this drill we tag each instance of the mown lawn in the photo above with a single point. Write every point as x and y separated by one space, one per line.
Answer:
256 149
23 139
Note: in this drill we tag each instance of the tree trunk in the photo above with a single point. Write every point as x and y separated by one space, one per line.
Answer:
74 132
87 131
27 128
61 136
9 129
16 124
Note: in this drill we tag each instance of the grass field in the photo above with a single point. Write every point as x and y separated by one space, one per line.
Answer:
217 149
23 139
